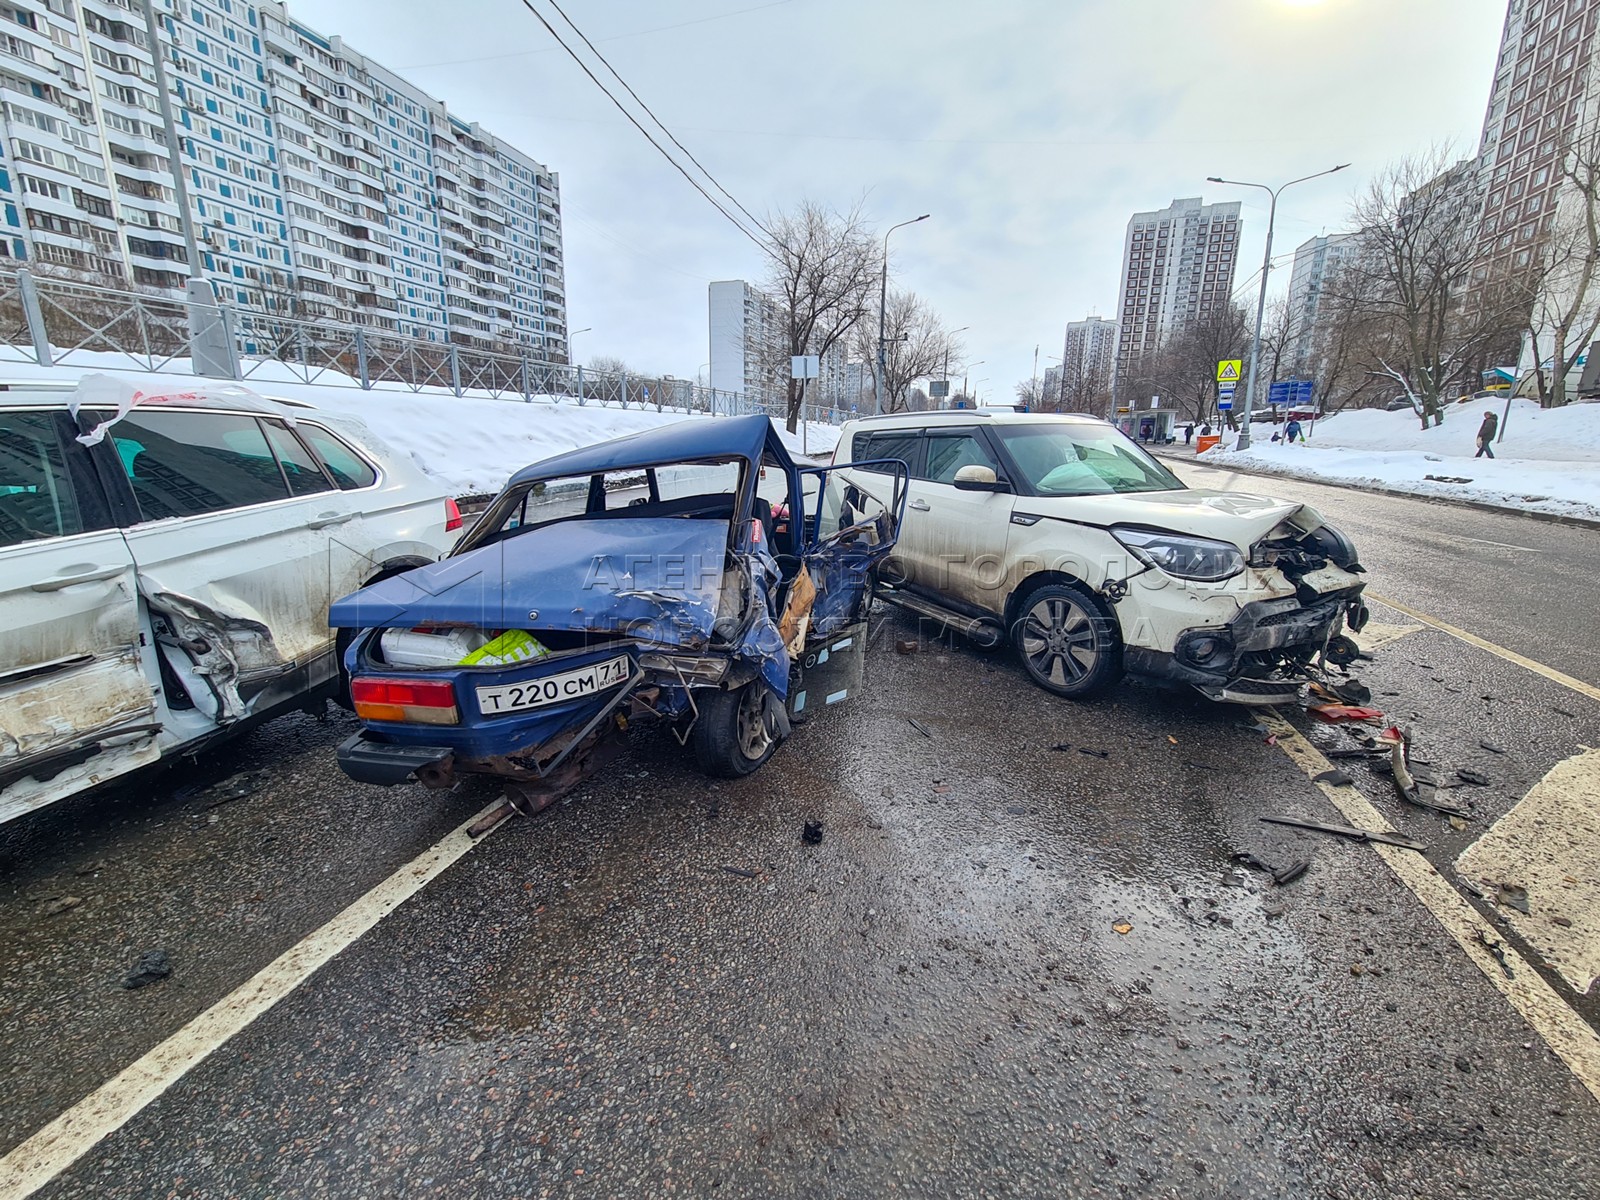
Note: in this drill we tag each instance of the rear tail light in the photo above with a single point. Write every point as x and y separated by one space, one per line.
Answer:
417 701
452 515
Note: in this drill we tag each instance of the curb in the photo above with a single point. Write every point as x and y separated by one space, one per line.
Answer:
1381 490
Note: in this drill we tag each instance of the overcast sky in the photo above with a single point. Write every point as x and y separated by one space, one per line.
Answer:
1030 129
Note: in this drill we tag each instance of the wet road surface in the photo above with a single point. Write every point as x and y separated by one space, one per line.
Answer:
656 988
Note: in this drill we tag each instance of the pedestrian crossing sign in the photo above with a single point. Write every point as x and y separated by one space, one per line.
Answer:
1228 370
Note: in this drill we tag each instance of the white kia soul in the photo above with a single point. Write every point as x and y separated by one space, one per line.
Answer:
1058 532
165 574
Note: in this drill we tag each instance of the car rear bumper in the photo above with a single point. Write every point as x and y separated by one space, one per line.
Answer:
386 763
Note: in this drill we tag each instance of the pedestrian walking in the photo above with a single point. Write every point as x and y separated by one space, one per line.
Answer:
1188 433
1486 432
1292 430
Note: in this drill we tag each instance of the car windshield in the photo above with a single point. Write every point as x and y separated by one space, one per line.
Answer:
689 489
1083 460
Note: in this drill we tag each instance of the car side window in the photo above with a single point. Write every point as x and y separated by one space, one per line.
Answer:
349 470
949 452
182 464
36 494
299 467
904 444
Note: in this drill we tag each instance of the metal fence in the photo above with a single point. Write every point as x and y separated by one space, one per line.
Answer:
61 322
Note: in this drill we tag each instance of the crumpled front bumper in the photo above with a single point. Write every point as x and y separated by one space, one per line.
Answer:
1217 658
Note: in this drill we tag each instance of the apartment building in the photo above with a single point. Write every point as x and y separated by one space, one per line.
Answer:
1315 262
749 353
1177 266
1547 59
320 184
1088 358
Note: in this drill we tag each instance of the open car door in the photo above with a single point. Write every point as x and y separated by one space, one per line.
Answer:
851 524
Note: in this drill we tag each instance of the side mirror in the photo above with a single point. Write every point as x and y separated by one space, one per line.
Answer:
975 478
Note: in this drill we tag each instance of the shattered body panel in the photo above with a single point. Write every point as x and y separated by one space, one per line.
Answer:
643 606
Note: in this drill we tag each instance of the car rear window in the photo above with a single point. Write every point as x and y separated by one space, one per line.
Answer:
902 444
349 470
182 464
36 494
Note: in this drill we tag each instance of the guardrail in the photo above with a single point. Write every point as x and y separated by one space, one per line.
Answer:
63 322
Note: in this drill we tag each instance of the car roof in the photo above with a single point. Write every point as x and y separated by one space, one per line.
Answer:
965 416
220 395
682 441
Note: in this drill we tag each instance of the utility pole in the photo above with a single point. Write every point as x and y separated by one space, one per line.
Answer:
174 146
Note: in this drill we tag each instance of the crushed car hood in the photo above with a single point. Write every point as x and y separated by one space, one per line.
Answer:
1237 517
657 579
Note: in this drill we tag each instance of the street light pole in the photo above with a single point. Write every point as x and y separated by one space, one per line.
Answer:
883 305
947 338
1261 297
966 375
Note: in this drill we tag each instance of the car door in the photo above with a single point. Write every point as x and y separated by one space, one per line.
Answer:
239 551
76 706
876 449
956 539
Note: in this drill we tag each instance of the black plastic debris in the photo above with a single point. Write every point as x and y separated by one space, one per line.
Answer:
1280 875
744 872
919 727
812 834
1334 778
1062 746
1497 948
1094 753
236 787
1491 747
1360 835
1476 778
152 967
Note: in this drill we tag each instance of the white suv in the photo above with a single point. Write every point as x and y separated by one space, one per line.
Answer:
169 582
1061 533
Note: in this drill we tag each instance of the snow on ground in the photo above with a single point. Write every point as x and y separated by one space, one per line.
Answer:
471 444
1549 461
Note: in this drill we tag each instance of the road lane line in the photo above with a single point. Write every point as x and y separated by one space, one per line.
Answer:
1539 1004
1472 639
1461 537
55 1147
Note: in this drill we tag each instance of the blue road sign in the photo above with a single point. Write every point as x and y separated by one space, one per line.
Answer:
1281 393
1225 402
1303 388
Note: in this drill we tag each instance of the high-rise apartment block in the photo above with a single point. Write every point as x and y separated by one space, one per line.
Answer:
1547 59
1315 262
320 184
1177 266
1088 358
749 354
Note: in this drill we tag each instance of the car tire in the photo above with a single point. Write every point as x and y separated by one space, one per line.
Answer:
1068 644
730 737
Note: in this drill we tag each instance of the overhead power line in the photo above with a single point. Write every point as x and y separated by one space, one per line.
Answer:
649 137
754 220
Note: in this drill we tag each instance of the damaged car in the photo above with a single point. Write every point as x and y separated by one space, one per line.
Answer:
1057 532
691 576
167 558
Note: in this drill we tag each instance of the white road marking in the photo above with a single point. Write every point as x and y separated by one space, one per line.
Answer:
1550 844
1472 639
1562 1029
58 1145
1461 537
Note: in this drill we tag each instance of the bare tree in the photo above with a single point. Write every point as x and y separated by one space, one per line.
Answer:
1409 276
917 347
821 270
1564 310
1032 393
1183 369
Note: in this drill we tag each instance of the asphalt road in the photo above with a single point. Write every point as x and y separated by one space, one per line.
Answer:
655 988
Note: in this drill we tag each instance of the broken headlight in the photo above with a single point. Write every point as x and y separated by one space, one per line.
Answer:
1182 556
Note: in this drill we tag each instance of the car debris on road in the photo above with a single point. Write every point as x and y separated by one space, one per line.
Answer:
1347 831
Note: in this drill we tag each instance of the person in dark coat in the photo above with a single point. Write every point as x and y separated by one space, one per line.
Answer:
1291 431
1486 432
1188 433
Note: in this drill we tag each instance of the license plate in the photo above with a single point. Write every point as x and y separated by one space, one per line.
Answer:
553 689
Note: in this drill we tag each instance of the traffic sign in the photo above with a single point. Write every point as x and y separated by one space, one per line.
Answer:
805 366
1226 391
1281 392
1303 388
1228 370
1225 402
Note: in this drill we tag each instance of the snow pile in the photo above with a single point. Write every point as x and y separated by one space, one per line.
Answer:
471 444
1549 461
